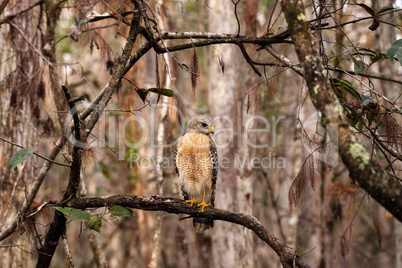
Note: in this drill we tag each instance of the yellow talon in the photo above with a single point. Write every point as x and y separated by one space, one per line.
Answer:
192 201
203 204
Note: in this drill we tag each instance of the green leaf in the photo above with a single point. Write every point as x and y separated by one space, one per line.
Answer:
368 9
105 169
370 119
338 89
143 93
398 56
60 3
162 91
378 56
360 66
154 22
95 222
339 42
97 18
361 124
21 156
340 86
395 51
121 211
74 214
353 121
384 9
348 87
354 60
336 62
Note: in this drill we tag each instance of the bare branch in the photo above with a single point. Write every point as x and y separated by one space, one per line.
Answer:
10 17
237 18
284 60
248 59
32 45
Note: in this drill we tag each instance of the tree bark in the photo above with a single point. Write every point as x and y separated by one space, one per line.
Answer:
223 97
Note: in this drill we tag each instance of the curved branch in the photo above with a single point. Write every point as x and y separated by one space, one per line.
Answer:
248 59
177 206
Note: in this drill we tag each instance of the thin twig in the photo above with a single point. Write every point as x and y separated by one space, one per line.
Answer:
38 155
32 45
248 59
284 60
237 18
67 251
10 17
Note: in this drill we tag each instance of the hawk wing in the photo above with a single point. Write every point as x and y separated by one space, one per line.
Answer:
185 194
215 166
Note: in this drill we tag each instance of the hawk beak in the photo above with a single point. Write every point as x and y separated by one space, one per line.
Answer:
211 130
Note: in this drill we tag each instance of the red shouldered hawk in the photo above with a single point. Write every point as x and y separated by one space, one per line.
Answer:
196 161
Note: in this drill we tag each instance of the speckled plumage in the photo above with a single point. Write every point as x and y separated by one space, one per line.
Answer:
196 163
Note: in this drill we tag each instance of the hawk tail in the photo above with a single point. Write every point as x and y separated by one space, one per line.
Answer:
201 224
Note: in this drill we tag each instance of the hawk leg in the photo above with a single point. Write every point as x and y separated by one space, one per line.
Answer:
203 204
192 201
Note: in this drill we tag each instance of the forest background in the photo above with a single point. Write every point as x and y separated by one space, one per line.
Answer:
306 101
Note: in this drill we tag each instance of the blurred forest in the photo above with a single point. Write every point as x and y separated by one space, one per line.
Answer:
313 154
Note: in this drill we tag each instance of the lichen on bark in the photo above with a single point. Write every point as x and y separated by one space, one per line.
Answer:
358 151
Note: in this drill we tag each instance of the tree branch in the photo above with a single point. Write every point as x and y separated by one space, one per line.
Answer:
177 206
58 224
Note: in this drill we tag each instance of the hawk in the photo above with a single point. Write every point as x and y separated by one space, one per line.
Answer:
196 162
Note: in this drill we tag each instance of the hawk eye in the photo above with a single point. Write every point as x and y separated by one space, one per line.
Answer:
204 125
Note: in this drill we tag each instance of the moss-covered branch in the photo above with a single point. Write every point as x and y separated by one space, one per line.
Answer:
363 170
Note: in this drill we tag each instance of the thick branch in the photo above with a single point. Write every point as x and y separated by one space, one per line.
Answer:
58 225
176 206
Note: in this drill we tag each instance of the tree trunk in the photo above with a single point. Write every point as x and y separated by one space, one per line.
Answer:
224 89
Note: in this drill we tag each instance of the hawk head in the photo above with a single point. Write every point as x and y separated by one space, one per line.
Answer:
201 124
